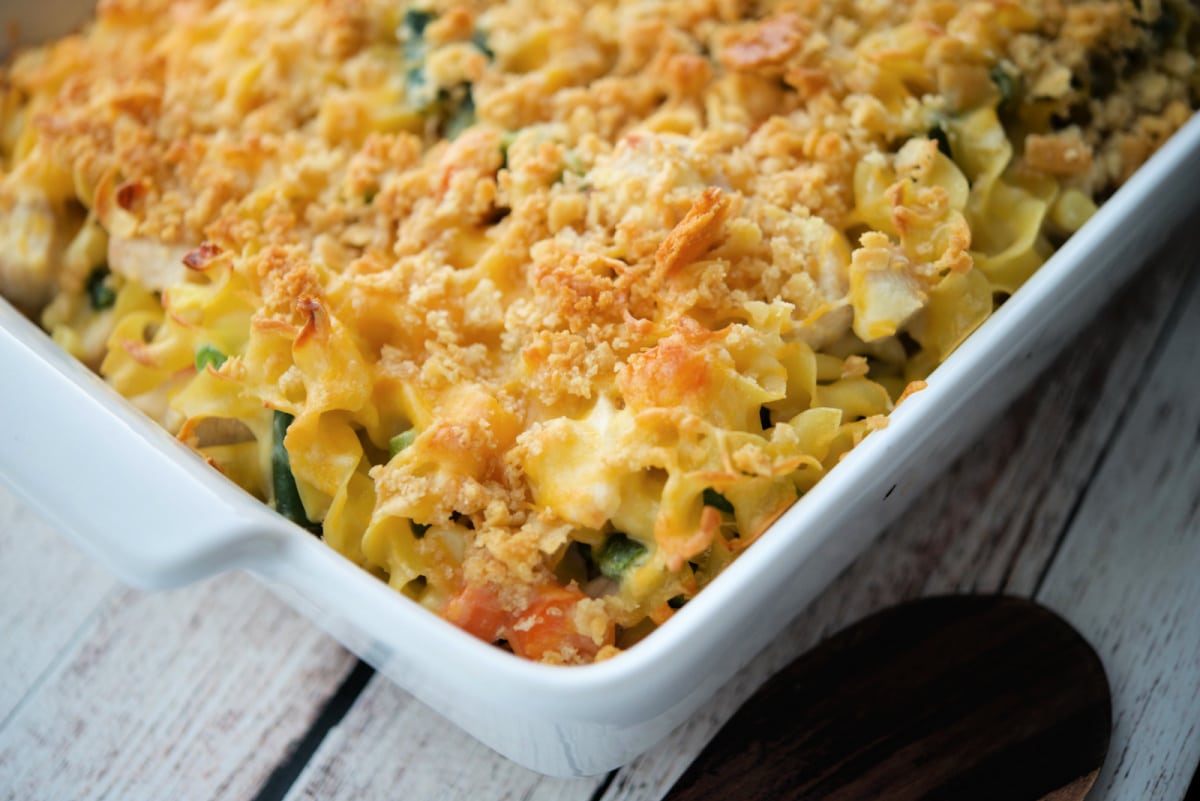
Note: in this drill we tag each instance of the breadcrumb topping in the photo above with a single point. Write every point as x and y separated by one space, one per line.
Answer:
562 303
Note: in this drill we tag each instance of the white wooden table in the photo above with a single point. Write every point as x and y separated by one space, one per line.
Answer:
1084 495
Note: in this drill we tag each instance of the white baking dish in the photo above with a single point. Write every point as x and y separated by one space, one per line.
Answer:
145 506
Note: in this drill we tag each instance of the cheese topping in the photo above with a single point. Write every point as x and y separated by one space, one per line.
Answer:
543 311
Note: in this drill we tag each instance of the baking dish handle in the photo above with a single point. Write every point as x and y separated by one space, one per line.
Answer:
120 487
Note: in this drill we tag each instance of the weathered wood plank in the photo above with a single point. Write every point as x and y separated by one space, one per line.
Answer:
48 592
992 522
1126 575
1002 509
196 694
390 746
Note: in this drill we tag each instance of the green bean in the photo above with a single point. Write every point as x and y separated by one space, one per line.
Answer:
100 295
717 501
287 496
209 355
401 441
618 554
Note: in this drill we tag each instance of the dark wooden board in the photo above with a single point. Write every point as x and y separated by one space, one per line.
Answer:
954 697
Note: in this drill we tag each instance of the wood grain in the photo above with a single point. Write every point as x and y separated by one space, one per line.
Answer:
1127 572
39 567
389 746
196 694
952 697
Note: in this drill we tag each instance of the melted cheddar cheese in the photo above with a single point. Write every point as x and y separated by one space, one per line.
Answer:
543 311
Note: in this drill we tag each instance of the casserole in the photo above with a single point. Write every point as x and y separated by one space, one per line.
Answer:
182 521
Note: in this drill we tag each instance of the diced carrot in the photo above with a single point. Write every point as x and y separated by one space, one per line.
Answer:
477 611
546 626
549 624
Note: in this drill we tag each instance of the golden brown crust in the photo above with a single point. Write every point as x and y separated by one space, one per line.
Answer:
524 230
695 234
765 44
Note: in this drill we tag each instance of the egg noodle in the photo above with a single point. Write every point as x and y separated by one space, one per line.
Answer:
542 311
